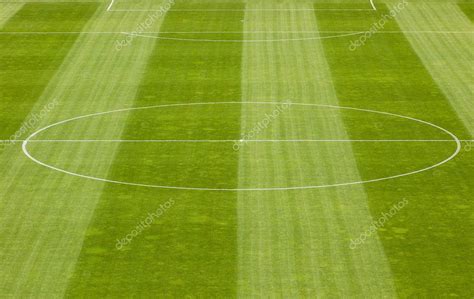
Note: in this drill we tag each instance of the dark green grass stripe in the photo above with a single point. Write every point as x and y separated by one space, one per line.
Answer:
191 249
47 17
28 62
429 242
468 9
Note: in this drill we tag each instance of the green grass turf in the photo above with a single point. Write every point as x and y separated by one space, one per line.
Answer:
468 9
400 84
199 254
58 232
94 77
28 62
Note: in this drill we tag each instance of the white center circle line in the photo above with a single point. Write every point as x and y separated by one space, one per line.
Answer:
31 157
243 40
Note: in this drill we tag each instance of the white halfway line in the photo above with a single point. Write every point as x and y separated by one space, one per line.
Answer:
233 32
248 9
223 140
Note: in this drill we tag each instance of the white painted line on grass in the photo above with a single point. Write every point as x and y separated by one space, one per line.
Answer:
242 40
31 157
232 32
373 4
109 8
156 35
227 140
247 10
110 5
293 31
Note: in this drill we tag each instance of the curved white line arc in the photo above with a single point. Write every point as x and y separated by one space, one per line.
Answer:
454 154
242 40
373 5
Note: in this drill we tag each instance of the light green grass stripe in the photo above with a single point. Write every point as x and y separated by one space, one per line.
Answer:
8 10
43 215
448 57
190 251
296 243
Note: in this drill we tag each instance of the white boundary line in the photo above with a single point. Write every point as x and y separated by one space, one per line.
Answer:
242 40
373 5
28 154
249 40
229 140
319 37
229 32
109 8
110 5
248 9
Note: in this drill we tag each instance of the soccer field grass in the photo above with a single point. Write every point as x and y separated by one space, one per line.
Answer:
224 149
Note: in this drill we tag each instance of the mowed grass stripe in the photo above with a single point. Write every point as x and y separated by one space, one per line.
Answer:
44 214
19 73
296 243
7 10
24 74
191 249
448 57
428 243
468 9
